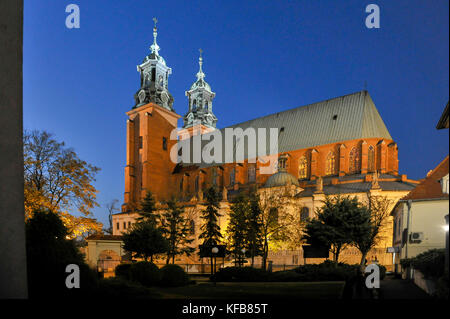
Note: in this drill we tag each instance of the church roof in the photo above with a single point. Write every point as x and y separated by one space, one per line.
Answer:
348 117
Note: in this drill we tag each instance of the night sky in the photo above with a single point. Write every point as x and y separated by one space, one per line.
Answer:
260 57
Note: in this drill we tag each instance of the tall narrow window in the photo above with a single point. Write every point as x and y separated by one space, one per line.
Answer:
355 161
371 159
140 142
330 168
164 143
196 183
251 173
214 176
304 214
232 176
273 216
303 168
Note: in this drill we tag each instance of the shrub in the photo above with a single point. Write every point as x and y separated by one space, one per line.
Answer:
430 263
327 271
123 271
442 286
405 263
145 273
173 276
287 276
241 274
120 288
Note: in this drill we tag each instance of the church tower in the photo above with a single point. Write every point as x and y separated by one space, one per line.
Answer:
154 78
200 118
150 125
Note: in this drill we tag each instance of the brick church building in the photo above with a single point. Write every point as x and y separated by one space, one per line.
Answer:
337 146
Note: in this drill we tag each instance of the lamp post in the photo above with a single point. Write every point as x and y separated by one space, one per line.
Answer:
243 256
214 250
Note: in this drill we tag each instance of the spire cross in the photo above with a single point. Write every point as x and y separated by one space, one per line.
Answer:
155 47
200 74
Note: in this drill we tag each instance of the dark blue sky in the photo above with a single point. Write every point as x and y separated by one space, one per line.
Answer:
260 57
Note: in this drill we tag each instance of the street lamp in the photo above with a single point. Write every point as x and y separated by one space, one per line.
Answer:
243 257
214 250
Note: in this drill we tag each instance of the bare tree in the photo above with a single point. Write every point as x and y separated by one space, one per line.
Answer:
112 208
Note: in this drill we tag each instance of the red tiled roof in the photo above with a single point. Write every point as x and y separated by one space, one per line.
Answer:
430 187
103 237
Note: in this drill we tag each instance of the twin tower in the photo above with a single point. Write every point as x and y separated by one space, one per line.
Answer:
154 89
150 125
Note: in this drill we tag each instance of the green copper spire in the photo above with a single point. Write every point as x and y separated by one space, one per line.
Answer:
200 97
155 47
200 74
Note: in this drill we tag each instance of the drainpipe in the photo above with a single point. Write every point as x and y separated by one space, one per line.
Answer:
408 203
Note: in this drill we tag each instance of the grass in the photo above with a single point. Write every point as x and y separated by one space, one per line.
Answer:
251 290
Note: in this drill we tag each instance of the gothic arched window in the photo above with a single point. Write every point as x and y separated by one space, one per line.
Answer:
251 173
355 161
196 183
371 159
273 216
330 165
232 176
304 214
303 167
214 176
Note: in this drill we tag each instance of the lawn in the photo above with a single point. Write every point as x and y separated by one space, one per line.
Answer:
242 290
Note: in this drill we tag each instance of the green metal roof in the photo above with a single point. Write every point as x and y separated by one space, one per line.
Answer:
349 117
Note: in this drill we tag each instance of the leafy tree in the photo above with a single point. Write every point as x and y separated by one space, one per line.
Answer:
48 253
148 211
238 227
369 232
338 221
176 230
210 229
275 220
58 180
144 240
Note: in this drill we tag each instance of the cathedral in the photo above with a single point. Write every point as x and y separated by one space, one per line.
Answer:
337 146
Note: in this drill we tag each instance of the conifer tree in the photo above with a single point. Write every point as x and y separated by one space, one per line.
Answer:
238 227
210 229
254 228
177 231
148 211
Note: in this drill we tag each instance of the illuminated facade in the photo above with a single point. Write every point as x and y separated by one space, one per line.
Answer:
330 147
